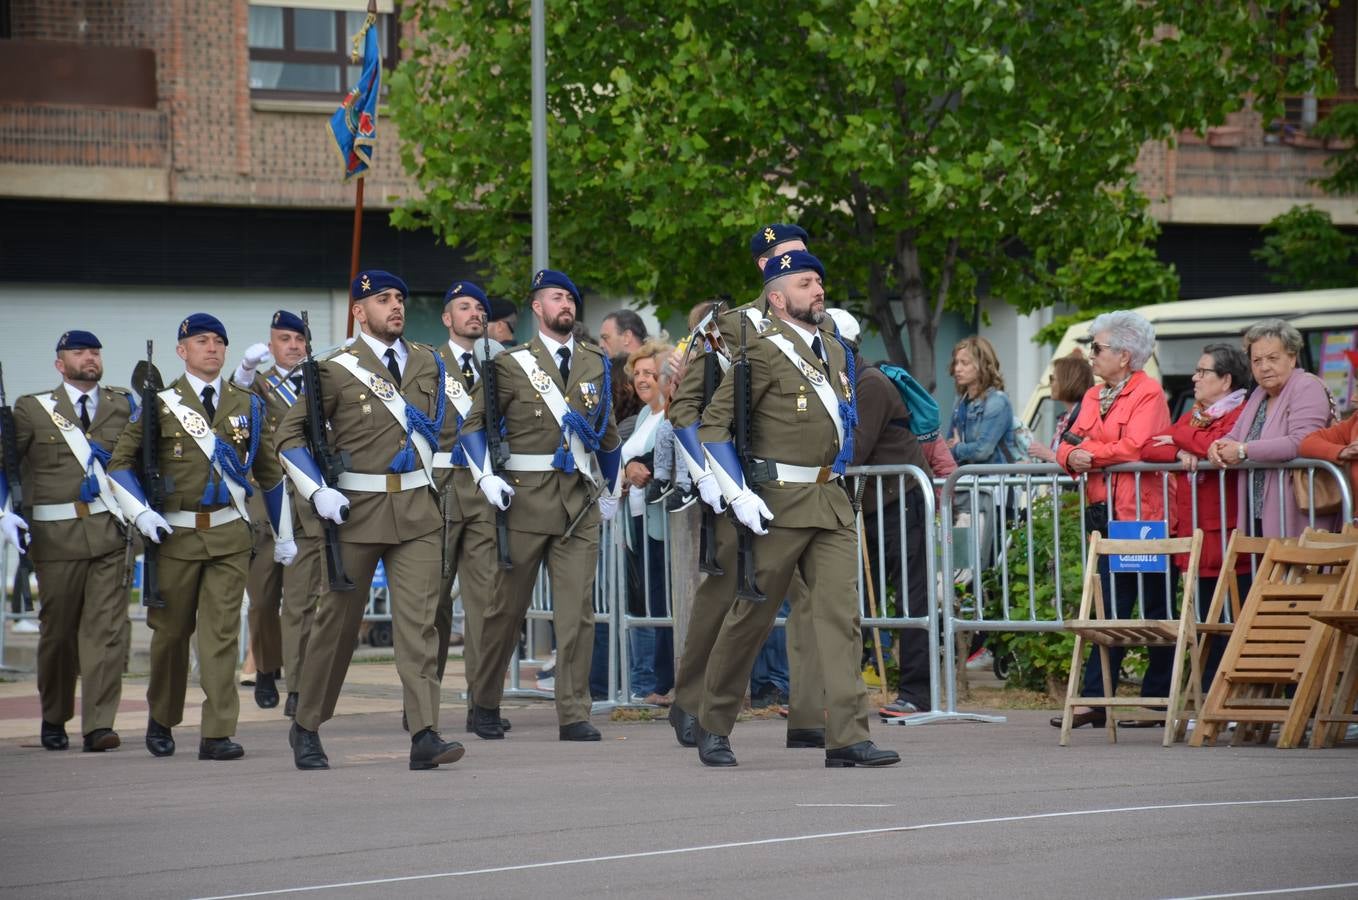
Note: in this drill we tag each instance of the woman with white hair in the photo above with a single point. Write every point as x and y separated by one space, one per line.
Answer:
1117 419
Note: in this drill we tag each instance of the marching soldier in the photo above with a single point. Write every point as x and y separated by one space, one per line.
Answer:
282 598
554 395
212 440
80 547
714 596
802 416
385 400
469 526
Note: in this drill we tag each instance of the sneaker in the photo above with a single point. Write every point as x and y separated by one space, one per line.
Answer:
25 626
546 684
982 659
898 708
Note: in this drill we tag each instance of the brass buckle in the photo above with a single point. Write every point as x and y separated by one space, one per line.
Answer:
82 509
202 521
393 483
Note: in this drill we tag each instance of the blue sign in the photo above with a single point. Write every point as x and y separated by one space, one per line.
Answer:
1138 531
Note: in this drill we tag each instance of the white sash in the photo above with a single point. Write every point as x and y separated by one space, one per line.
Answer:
75 439
556 405
457 395
824 390
393 402
203 436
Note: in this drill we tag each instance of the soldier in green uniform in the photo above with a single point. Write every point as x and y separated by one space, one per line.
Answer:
282 598
79 541
469 524
384 399
554 397
802 416
806 703
212 440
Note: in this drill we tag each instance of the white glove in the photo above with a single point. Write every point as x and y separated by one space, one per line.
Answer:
331 504
710 491
496 490
14 527
751 512
254 355
152 525
608 506
284 552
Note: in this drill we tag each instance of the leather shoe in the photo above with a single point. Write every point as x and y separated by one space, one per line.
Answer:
158 739
863 753
290 705
266 690
307 752
54 737
101 739
713 749
429 751
471 720
580 731
684 725
1096 717
1141 723
219 749
805 738
486 724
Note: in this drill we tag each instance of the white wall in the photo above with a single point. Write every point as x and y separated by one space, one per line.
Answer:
1022 359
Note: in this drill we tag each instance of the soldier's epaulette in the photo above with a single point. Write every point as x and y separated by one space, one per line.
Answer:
126 392
416 345
588 345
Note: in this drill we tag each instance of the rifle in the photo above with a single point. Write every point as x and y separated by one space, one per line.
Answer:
146 382
331 462
499 450
707 528
21 598
746 589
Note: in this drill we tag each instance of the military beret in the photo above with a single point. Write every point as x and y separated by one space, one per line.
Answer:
546 278
467 289
78 340
772 235
502 309
375 281
790 263
286 321
202 323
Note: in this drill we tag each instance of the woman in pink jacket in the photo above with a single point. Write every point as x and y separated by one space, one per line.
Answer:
1117 419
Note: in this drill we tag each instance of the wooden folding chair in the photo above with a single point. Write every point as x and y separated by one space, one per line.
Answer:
1093 625
1339 672
1276 643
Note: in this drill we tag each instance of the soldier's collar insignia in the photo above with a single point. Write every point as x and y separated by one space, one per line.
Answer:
785 262
769 236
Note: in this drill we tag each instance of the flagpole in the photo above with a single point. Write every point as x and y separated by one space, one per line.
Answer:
358 219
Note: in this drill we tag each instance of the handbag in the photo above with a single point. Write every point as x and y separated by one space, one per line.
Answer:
1325 500
1096 518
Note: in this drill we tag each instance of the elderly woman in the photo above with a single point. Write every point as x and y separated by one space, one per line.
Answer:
1116 421
982 416
1220 384
652 649
1071 380
1288 404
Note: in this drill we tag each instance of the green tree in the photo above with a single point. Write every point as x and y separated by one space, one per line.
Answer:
936 150
1304 250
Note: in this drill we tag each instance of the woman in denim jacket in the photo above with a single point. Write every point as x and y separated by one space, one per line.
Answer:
982 416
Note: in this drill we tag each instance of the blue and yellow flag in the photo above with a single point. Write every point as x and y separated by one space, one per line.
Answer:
354 124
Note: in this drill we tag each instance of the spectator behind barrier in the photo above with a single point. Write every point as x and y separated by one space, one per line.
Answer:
1288 404
982 416
1220 385
1116 421
1338 444
622 332
1071 379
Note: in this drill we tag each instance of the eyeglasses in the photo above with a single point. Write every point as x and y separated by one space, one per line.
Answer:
1095 348
1203 373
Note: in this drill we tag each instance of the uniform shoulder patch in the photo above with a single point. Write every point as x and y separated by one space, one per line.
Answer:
592 347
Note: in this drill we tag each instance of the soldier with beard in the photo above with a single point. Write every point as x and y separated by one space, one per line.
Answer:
78 546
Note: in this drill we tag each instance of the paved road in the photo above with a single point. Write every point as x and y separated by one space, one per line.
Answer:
975 811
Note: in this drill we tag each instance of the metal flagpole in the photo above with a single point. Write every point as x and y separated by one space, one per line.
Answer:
539 152
358 216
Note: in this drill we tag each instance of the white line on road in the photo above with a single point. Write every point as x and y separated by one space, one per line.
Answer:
1310 888
894 829
848 805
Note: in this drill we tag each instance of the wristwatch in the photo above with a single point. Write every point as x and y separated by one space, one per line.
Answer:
1243 455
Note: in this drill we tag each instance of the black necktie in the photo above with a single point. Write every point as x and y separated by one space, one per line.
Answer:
394 369
467 373
565 354
208 404
84 412
816 349
296 384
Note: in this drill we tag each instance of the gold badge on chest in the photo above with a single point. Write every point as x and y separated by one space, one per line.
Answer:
812 375
381 387
61 421
541 380
452 387
195 424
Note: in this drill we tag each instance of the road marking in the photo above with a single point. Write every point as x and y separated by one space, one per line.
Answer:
829 835
1288 890
847 805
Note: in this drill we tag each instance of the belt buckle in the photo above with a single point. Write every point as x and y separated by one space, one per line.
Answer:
202 521
823 475
393 483
82 509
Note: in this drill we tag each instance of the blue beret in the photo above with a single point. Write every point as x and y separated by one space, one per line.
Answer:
791 262
772 235
286 321
78 340
374 281
202 323
467 289
546 278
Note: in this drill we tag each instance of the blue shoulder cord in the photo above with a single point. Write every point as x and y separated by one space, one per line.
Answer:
575 423
848 410
216 492
405 459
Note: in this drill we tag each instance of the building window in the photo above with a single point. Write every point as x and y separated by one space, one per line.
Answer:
304 53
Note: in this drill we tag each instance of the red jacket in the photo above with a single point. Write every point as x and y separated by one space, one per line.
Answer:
1207 484
1137 415
1326 444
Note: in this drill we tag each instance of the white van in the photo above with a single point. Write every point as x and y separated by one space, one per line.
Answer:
1327 320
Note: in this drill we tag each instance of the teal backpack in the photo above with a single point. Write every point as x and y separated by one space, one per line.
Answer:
924 416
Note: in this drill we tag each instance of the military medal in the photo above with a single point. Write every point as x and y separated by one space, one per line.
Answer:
589 393
240 428
195 424
844 382
541 380
61 421
811 374
381 387
452 387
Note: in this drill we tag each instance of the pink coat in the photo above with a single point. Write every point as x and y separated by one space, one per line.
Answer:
1303 406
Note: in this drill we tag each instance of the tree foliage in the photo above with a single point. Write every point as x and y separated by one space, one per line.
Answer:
936 150
1305 251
